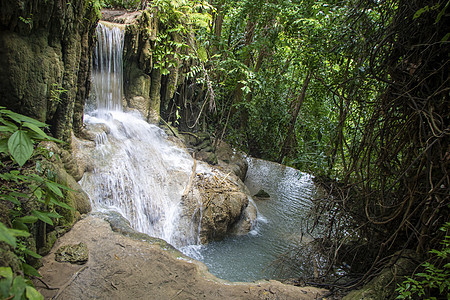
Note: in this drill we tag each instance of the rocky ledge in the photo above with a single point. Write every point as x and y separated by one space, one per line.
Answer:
127 267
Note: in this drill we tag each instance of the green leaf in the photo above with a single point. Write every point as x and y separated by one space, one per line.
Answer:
36 129
4 145
43 216
32 253
420 12
53 186
20 146
54 214
18 287
21 118
7 236
10 199
202 55
61 204
5 283
6 272
28 219
446 37
29 270
33 294
19 225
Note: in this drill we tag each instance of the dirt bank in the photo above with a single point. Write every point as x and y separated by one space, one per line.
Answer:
121 267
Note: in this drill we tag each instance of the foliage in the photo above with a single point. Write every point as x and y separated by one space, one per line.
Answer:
433 281
126 4
374 121
32 197
16 287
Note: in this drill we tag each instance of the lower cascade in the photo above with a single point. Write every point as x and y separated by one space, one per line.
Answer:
161 190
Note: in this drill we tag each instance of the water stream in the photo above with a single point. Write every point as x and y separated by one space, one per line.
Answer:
254 256
138 173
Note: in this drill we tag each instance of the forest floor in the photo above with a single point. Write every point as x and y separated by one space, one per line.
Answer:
121 267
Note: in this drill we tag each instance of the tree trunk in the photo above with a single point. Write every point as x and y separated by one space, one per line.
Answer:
299 101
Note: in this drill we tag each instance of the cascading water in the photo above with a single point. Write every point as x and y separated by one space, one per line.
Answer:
136 171
107 71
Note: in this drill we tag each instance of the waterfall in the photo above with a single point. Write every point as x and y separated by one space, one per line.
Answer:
107 67
136 171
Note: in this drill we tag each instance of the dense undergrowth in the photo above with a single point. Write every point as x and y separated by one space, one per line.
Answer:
30 200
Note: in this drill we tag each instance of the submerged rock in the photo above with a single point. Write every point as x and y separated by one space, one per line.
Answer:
262 194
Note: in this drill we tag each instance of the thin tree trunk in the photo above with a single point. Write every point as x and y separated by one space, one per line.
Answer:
286 149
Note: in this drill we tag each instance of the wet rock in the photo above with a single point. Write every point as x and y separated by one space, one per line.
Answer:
231 160
219 202
262 194
247 221
74 254
202 147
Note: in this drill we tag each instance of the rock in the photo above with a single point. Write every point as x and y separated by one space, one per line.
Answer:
383 286
262 194
45 58
247 221
74 254
223 202
232 160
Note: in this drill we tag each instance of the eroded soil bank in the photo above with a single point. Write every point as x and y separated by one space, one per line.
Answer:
121 267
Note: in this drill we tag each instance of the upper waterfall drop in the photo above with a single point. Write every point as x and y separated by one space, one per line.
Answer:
107 67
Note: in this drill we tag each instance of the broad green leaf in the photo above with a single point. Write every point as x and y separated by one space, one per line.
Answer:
5 283
43 216
53 186
18 194
7 236
33 294
28 219
21 118
20 146
4 145
36 129
420 12
29 270
32 253
21 233
18 287
6 272
19 225
7 129
61 204
9 124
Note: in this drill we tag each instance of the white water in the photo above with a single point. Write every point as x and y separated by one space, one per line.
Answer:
107 69
136 171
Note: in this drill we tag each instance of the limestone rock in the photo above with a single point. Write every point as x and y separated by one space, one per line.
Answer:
232 160
220 203
45 57
74 254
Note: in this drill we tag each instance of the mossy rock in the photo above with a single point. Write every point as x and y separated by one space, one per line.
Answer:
262 194
74 254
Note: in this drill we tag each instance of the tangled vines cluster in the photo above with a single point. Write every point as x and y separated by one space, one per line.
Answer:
395 193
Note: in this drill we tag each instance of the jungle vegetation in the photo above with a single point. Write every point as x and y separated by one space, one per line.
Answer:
355 92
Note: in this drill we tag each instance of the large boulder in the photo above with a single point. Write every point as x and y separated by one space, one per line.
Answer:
218 204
